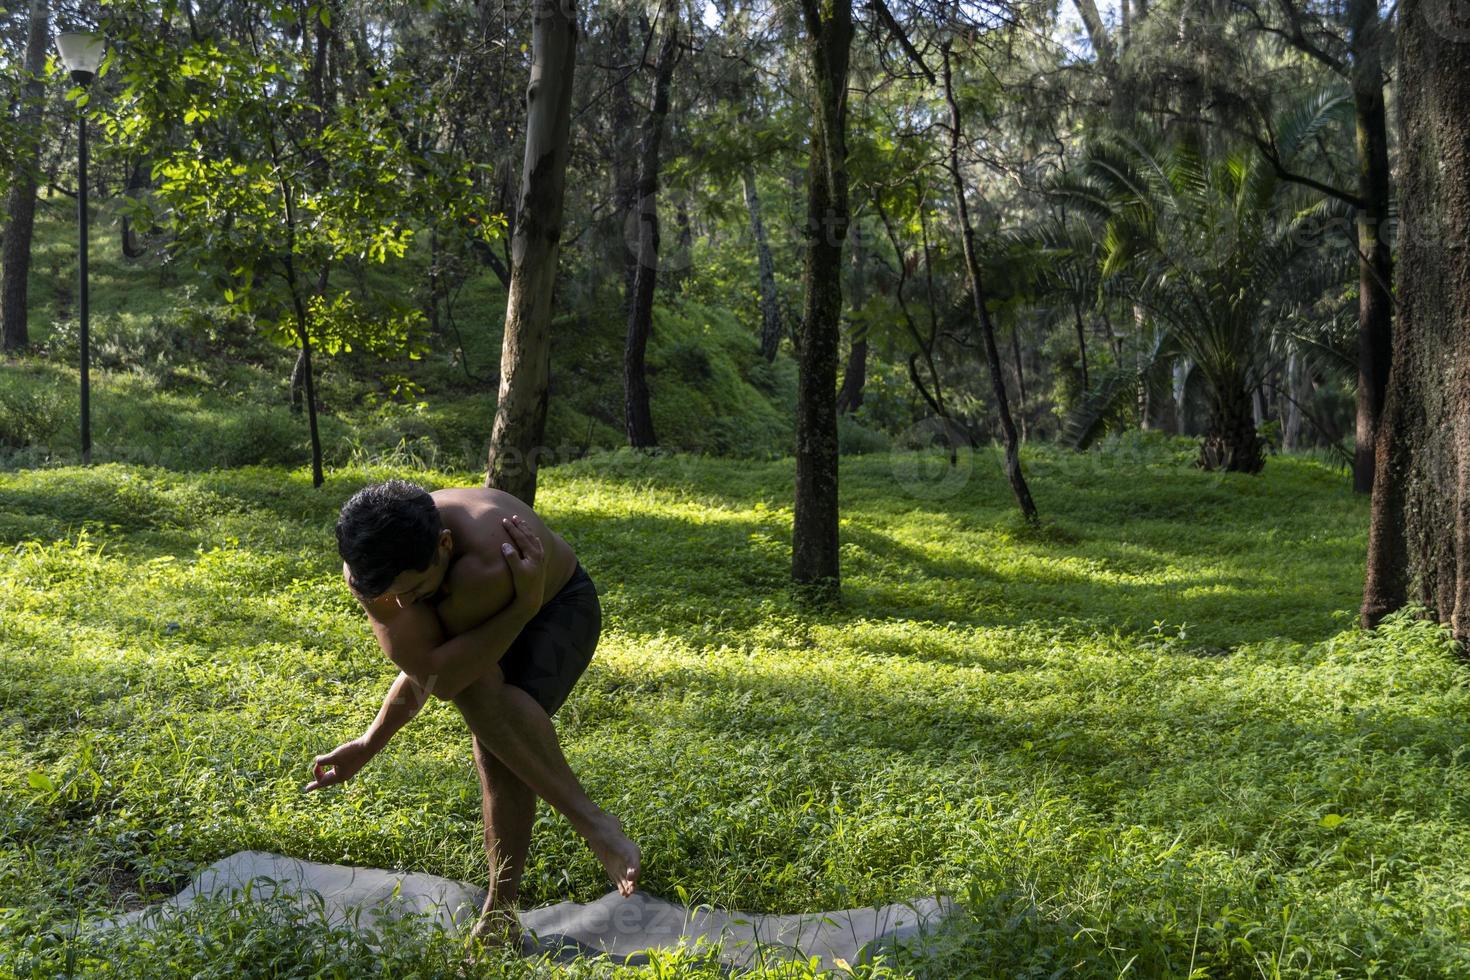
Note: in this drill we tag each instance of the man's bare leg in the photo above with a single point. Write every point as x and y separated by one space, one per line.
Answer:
518 732
509 808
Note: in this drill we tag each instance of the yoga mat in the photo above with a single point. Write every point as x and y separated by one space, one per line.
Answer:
615 926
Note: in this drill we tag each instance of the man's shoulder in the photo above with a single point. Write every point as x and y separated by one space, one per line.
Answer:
477 588
476 497
475 570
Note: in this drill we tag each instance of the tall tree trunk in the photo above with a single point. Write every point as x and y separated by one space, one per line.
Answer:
1375 261
855 374
298 381
814 552
1291 409
520 411
303 333
625 149
1020 376
854 377
16 255
771 329
982 315
1419 535
1082 334
637 412
684 268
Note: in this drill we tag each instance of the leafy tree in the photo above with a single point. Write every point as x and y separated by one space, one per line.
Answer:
1199 245
268 189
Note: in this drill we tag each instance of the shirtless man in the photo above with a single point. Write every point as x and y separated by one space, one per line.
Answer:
478 602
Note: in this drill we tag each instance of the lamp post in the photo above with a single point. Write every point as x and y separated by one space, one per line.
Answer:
81 52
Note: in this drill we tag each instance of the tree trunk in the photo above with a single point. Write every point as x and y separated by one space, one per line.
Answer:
1375 261
1419 535
1020 376
298 381
854 378
1230 441
16 256
684 268
298 304
625 150
137 181
1291 409
304 339
1081 332
814 550
855 374
637 412
520 411
982 315
770 304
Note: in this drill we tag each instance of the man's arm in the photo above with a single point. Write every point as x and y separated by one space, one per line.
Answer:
445 667
414 639
346 760
403 701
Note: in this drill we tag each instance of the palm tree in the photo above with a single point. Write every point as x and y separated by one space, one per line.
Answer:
1200 247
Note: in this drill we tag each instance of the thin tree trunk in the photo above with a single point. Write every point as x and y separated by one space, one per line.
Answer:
16 255
987 329
1419 531
298 382
137 181
771 329
935 401
1082 336
1020 376
815 566
684 268
625 150
855 374
932 302
854 377
638 414
303 336
520 412
1291 410
1375 261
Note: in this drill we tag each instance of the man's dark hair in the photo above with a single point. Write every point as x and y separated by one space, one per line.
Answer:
385 530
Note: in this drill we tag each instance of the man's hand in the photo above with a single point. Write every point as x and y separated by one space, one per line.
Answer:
346 760
527 563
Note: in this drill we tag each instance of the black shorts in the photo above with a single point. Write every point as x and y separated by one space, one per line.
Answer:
554 648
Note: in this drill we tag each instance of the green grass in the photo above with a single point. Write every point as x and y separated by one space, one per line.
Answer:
1141 740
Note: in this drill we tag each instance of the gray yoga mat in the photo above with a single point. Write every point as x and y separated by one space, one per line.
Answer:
616 926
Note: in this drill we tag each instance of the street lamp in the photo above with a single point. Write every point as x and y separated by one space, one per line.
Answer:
81 52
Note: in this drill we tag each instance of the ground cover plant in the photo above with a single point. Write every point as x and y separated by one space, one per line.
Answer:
1144 739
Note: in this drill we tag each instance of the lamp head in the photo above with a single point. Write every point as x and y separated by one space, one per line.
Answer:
81 52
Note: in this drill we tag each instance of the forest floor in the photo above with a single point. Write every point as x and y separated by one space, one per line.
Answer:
1145 739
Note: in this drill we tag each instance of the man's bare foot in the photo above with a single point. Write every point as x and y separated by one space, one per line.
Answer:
498 927
620 857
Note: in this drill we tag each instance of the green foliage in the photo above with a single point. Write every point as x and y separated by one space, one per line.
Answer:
853 437
702 402
1201 245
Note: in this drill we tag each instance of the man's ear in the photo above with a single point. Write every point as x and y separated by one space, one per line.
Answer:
446 541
